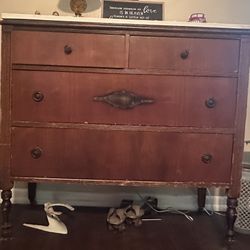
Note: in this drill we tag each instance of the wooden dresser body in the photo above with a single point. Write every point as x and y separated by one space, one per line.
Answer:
123 104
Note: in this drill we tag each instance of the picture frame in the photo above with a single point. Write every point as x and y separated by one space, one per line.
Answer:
136 10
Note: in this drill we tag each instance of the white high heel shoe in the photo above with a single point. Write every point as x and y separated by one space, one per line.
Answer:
55 224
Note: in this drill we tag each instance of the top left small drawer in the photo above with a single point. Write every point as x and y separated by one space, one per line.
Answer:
68 49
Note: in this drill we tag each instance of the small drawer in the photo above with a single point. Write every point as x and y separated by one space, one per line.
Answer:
185 55
162 100
99 154
68 49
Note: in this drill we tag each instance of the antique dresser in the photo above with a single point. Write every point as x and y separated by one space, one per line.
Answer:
116 102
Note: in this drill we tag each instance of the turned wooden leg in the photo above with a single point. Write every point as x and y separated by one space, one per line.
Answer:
231 217
5 207
201 199
32 193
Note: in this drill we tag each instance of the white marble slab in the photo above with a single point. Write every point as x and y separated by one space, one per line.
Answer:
7 16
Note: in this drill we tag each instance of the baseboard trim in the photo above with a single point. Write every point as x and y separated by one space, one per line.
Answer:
182 199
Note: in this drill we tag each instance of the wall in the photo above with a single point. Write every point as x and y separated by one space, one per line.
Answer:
226 11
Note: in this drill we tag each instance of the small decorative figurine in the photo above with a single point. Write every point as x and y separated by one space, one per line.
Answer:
198 18
78 6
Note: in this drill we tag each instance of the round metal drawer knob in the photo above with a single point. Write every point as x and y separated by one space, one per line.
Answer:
184 55
206 158
67 50
36 153
210 103
38 96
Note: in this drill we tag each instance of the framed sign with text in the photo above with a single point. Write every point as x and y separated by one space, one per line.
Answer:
138 10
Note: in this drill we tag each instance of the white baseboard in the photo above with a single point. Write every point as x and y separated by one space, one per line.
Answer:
106 196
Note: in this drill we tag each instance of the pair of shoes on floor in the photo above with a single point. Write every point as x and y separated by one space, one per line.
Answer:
118 218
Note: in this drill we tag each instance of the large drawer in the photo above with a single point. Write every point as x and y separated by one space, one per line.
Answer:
177 101
68 49
185 55
99 154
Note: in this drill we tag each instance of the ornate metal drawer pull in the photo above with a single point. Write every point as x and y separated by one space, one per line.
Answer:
36 153
123 99
206 158
210 103
37 96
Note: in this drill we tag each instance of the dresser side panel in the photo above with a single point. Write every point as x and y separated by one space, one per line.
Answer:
240 118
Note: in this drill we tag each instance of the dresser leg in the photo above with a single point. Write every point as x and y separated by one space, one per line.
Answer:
231 217
32 193
201 199
6 227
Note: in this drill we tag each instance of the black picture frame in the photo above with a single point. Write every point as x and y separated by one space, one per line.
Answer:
136 10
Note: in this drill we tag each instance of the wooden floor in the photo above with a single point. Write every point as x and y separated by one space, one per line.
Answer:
88 231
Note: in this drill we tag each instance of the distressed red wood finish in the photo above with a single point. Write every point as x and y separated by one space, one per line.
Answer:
129 155
90 50
174 104
122 104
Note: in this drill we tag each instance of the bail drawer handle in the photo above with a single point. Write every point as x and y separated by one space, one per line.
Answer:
123 99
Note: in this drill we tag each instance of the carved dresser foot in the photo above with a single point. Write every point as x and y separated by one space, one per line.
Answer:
231 217
6 227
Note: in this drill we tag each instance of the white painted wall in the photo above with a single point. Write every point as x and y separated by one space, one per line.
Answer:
225 11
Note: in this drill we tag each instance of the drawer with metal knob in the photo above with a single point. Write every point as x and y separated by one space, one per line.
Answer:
195 56
107 154
68 49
